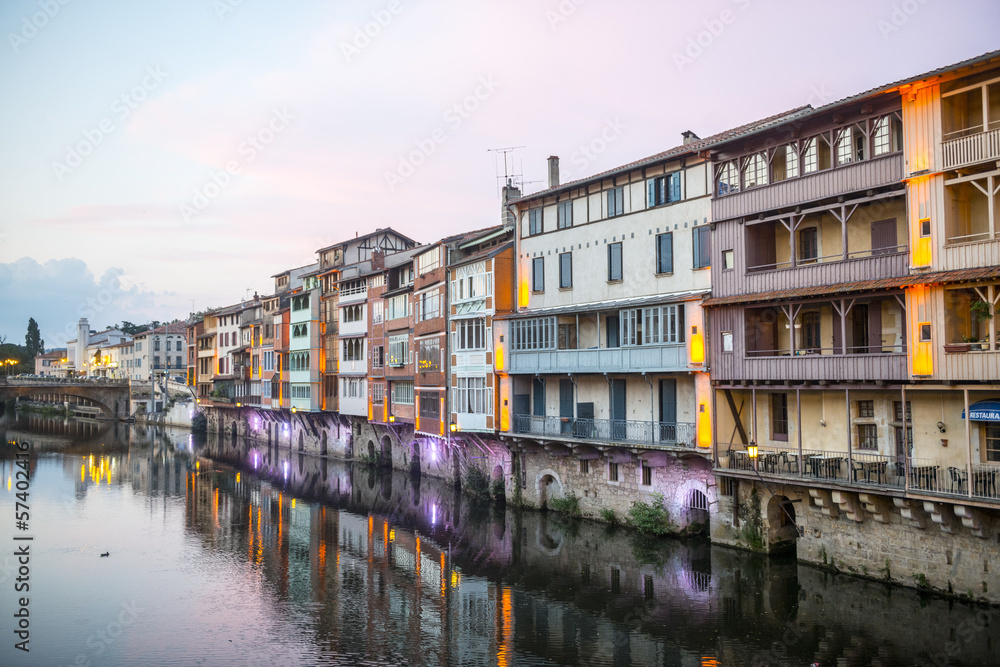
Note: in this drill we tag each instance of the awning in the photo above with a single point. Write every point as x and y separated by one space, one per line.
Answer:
984 411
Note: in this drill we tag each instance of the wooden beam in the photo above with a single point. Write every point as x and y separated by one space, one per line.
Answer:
736 416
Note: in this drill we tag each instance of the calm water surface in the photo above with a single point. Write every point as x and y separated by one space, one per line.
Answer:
228 553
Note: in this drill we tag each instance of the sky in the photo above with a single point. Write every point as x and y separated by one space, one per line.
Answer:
159 158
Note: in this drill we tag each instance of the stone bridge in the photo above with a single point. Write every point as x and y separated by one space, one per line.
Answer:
111 396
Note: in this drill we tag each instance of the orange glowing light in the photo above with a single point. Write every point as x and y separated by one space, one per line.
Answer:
523 293
704 427
922 252
498 358
697 346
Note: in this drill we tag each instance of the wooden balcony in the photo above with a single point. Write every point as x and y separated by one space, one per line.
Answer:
972 365
964 151
648 358
834 367
862 267
880 171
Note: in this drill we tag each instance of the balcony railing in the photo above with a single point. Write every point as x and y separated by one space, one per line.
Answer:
625 431
981 147
868 470
649 358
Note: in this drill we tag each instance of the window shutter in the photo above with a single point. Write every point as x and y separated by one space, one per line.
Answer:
666 253
651 192
675 187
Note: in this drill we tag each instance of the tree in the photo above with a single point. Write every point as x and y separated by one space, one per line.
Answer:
33 339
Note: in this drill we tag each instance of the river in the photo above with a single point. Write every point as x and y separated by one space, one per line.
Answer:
221 552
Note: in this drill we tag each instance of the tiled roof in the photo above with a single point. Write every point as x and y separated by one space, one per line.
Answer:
959 276
693 147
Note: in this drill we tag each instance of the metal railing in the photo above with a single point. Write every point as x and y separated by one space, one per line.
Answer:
674 434
866 469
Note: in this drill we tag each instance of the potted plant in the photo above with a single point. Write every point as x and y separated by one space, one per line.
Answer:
981 312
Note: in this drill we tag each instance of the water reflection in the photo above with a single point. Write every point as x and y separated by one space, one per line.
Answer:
355 563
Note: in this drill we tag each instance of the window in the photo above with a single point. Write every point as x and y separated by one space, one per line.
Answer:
755 172
471 282
727 341
538 274
614 262
810 156
156 345
565 270
616 201
429 261
473 395
378 311
399 350
664 189
565 214
971 213
430 406
378 393
665 253
866 409
300 302
779 417
156 362
470 334
430 304
354 349
808 245
728 259
429 355
353 313
925 332
897 409
612 471
652 325
378 356
298 361
992 449
702 246
402 393
584 466
352 387
177 362
300 330
850 145
534 221
647 473
784 163
887 135
867 436
728 179
397 307
811 332
534 334
301 391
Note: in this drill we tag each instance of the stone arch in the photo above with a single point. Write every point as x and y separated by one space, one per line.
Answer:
549 486
322 443
782 528
385 455
692 502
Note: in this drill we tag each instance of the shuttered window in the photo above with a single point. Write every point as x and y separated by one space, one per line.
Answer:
566 270
538 274
702 237
615 261
665 253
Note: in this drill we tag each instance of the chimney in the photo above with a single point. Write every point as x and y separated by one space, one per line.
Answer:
553 171
511 193
690 137
378 259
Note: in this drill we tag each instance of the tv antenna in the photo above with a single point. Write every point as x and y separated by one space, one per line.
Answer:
512 171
